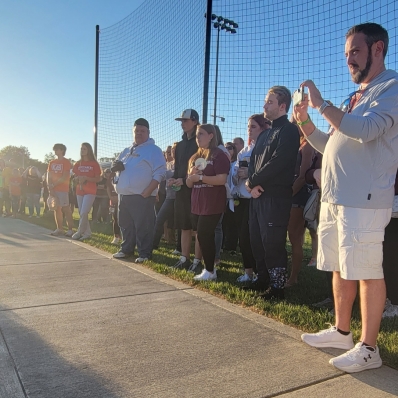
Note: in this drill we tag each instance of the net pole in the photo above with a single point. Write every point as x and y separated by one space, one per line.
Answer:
206 74
97 32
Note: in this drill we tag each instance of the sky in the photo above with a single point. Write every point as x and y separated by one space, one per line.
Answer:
47 51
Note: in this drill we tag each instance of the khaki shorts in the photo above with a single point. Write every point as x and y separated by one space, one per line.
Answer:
351 241
63 198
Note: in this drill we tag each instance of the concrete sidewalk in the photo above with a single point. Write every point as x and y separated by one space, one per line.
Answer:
75 323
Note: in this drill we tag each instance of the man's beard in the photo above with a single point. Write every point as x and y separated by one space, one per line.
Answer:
271 115
359 76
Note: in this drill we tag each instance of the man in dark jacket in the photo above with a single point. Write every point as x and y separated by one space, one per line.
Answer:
271 172
182 204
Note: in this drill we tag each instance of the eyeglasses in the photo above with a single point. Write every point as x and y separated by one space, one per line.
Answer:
230 147
348 104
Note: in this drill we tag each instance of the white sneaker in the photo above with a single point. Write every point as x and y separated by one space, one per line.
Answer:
57 232
176 252
76 236
206 276
244 278
69 233
119 254
328 338
141 260
115 241
84 237
357 359
390 310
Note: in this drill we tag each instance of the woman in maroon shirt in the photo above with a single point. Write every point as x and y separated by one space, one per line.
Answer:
207 175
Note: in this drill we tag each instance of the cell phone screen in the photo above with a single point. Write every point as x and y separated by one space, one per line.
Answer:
243 163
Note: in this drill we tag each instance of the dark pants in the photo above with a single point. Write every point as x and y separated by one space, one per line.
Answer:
136 221
230 229
268 220
390 260
205 229
15 202
5 201
165 213
242 222
102 209
116 228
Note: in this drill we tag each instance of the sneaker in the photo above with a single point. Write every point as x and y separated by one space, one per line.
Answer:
77 235
30 216
176 252
115 241
84 237
244 278
206 276
57 232
390 310
69 233
328 338
357 359
141 260
327 303
312 263
119 254
195 266
181 263
273 294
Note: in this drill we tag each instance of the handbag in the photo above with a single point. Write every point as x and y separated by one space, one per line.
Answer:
312 206
394 213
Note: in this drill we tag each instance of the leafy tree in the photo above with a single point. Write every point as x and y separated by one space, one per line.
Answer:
19 155
48 157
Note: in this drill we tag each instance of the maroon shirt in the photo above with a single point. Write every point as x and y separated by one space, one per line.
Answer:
211 199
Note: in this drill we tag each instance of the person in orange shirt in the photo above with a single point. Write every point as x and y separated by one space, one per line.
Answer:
5 173
87 172
15 182
58 176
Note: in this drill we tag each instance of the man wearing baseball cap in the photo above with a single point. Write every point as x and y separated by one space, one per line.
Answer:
182 204
140 169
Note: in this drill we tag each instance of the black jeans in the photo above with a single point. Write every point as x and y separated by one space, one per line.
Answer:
166 212
230 229
242 221
268 220
205 227
390 260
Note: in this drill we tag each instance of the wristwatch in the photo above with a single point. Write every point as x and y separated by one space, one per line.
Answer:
201 177
323 107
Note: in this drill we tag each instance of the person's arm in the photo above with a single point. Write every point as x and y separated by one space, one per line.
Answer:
307 154
287 147
158 172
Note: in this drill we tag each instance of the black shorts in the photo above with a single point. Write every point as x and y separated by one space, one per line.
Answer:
301 197
182 209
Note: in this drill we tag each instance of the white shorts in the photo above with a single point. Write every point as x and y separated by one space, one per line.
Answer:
351 241
63 198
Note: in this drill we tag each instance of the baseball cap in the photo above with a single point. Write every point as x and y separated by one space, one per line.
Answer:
189 114
141 122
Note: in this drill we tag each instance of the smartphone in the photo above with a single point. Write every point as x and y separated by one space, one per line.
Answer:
298 96
243 163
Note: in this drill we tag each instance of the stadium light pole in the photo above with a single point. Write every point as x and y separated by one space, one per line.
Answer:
230 27
97 32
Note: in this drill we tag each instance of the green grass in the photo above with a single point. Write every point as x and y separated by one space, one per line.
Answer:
295 311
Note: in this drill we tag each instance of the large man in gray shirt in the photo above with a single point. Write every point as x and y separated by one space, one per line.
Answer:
360 158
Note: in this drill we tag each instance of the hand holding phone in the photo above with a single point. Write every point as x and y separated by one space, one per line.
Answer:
298 96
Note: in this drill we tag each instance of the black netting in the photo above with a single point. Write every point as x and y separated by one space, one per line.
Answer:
152 62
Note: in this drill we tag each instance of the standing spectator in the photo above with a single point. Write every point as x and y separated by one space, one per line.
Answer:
239 143
58 176
22 201
301 193
45 193
15 191
141 168
33 189
358 173
101 201
5 174
182 204
232 150
113 205
87 172
256 124
271 172
208 194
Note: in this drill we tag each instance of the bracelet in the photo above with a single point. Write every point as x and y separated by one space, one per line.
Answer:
305 122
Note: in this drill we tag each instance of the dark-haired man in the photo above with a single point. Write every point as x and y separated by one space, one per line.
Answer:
239 143
360 158
144 168
182 204
271 172
58 177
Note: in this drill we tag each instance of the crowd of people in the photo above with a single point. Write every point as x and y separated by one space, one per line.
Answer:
253 196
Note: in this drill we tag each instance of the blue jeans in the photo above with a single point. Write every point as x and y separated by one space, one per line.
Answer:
164 213
33 203
136 221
